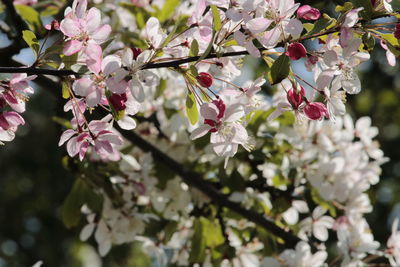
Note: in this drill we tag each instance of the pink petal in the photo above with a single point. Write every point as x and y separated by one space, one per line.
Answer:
70 27
93 98
94 56
101 34
209 111
79 7
72 47
93 20
83 86
13 118
65 136
258 25
201 131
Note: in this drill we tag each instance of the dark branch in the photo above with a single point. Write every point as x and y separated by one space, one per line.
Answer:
195 180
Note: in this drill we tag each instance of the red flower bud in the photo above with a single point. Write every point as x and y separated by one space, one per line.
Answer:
295 98
308 13
316 111
136 52
296 51
221 107
118 101
205 79
397 31
54 25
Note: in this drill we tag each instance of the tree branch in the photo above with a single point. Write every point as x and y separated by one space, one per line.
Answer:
196 180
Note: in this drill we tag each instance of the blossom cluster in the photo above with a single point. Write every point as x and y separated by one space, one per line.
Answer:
306 165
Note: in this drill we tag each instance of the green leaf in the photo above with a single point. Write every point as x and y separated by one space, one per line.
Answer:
167 10
369 41
217 19
193 70
197 252
212 232
343 9
65 90
366 13
280 69
169 230
191 108
194 49
71 212
323 203
31 16
323 23
30 38
80 194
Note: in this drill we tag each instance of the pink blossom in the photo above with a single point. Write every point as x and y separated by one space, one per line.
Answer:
14 92
316 111
83 28
97 135
308 13
296 51
222 122
9 122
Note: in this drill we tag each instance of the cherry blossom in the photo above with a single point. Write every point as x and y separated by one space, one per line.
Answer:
223 123
83 30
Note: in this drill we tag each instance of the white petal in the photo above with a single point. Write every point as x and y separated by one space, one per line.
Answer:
127 123
201 131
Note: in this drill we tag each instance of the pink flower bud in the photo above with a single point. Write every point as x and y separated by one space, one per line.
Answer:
316 111
136 52
205 79
296 51
295 98
54 25
308 13
118 101
221 107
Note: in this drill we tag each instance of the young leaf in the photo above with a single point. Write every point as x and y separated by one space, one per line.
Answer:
30 38
217 18
167 10
31 16
71 211
191 108
197 252
321 24
194 48
280 69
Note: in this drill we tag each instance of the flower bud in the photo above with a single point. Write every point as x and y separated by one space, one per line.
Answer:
205 79
316 111
308 13
54 25
221 107
295 98
136 52
296 51
118 101
397 31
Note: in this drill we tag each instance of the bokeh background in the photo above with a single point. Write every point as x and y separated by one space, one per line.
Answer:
34 183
